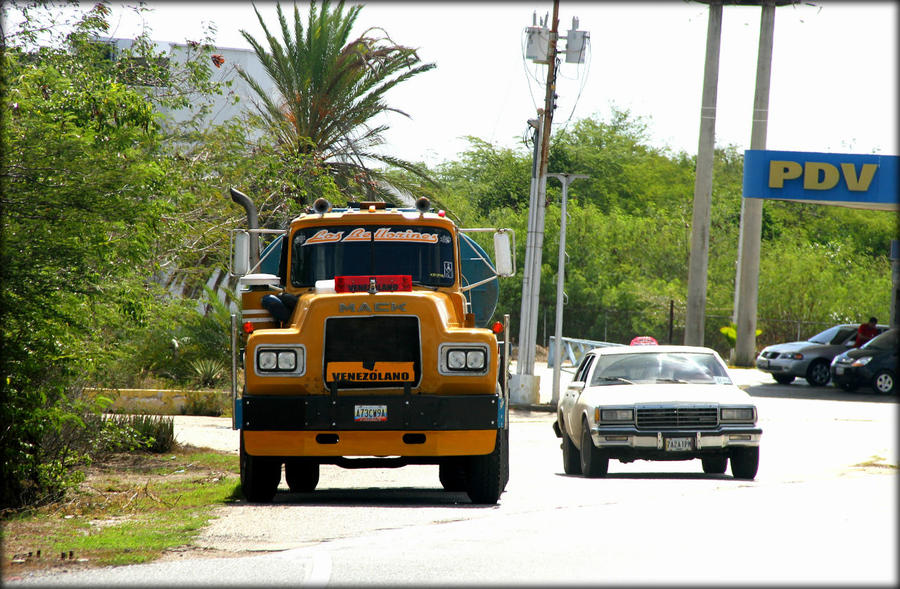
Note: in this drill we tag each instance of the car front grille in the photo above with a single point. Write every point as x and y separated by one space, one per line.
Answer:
677 417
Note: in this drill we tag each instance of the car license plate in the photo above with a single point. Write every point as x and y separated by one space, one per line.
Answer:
370 413
678 444
839 370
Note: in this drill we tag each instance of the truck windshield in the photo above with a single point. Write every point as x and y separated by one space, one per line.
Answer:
321 253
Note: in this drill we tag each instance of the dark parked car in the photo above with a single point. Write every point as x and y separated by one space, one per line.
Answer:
810 359
874 364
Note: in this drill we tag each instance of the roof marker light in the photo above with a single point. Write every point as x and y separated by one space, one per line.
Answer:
248 327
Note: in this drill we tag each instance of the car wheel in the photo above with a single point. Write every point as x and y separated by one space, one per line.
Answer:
819 373
884 382
594 462
714 464
452 473
745 462
783 378
301 474
571 456
260 476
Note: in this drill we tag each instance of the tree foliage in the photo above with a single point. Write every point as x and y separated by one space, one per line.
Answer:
329 90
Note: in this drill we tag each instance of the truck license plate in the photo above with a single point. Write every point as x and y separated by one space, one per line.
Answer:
370 413
678 444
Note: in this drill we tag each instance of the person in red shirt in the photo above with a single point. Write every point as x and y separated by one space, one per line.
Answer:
866 331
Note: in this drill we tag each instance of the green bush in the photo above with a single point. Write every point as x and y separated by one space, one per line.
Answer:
154 433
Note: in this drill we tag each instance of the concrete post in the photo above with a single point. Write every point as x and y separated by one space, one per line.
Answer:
699 257
747 278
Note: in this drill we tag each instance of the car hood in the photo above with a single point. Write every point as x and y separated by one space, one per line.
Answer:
627 394
794 347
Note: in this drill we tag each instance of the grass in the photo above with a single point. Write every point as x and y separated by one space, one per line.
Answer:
130 509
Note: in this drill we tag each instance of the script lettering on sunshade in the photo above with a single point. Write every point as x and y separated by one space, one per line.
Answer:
381 234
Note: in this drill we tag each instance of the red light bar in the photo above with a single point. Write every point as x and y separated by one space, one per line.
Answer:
383 283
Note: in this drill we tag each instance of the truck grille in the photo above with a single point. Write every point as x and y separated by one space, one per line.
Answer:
676 417
367 340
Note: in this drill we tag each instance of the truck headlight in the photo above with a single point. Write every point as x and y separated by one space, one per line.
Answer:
281 361
739 414
457 358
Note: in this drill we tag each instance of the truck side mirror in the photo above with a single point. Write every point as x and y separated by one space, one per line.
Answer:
241 263
503 253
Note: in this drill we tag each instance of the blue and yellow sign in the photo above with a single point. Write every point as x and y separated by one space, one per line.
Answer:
850 180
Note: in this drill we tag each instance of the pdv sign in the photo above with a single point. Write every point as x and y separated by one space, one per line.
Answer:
850 180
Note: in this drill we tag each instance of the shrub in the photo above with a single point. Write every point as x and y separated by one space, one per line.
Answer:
209 404
154 433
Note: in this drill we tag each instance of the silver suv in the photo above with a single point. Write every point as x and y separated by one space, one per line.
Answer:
809 359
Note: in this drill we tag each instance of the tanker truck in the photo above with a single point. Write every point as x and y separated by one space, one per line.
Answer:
364 340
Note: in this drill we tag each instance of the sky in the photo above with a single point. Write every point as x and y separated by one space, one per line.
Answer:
833 85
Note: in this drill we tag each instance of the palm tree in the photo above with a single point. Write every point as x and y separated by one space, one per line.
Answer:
328 92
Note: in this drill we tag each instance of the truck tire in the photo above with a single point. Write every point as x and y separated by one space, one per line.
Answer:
301 474
452 473
485 474
260 476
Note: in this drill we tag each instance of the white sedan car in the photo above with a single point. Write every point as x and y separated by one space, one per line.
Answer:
656 403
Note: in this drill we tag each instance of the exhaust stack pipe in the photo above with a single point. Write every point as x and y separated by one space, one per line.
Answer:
252 223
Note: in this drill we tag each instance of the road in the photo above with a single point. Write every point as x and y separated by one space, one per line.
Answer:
823 509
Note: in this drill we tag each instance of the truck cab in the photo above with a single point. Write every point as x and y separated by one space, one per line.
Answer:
362 350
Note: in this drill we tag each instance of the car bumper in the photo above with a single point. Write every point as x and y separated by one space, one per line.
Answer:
630 442
851 375
787 367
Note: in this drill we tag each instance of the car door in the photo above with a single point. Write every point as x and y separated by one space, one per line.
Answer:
568 403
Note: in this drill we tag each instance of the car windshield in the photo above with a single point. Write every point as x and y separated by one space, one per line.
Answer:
886 341
321 253
659 367
833 335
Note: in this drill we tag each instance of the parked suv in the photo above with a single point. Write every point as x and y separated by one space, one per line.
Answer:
810 359
874 364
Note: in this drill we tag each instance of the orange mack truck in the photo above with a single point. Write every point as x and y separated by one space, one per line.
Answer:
363 340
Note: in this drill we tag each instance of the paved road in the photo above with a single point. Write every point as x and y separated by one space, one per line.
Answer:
822 510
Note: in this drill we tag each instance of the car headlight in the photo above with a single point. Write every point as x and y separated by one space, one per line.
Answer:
793 356
280 360
614 414
739 414
862 361
461 359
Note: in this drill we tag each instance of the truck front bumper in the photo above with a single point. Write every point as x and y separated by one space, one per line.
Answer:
371 425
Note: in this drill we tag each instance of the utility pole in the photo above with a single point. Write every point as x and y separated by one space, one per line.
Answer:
542 48
525 388
565 179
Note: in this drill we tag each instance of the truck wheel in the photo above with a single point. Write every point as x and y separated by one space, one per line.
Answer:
594 461
485 474
571 457
452 473
260 476
783 378
714 464
301 474
745 462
